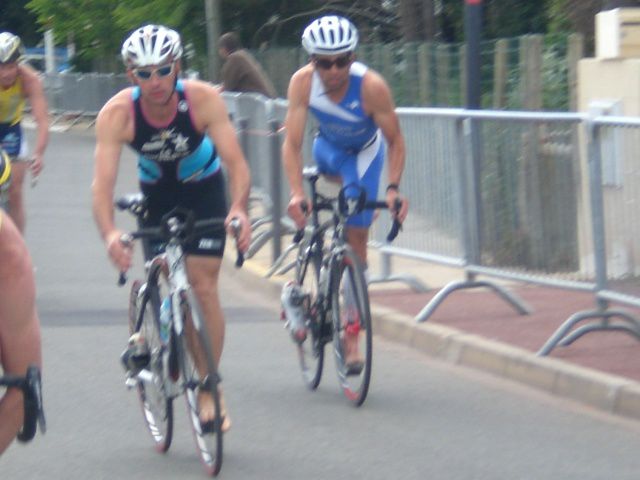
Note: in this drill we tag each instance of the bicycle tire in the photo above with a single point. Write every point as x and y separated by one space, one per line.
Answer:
144 318
311 350
209 444
351 320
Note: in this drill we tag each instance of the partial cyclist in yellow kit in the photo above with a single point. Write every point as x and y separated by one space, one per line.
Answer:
19 83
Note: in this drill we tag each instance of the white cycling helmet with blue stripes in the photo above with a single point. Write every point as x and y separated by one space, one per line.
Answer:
330 35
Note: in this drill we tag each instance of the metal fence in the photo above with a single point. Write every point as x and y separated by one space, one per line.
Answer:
544 198
541 198
81 93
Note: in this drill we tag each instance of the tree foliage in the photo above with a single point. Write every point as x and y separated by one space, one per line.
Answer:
16 19
98 26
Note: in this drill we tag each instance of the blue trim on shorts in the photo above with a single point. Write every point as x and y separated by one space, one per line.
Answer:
11 138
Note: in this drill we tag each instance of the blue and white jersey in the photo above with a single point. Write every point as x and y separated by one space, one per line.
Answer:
344 124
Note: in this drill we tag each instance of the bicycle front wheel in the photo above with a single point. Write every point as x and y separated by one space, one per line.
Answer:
311 349
352 336
144 317
201 380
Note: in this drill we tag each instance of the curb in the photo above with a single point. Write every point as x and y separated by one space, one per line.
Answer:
603 391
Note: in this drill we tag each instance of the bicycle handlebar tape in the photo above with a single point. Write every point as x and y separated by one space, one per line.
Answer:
395 229
236 227
298 236
397 226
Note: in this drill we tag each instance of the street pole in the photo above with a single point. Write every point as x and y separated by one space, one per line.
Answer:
472 31
212 17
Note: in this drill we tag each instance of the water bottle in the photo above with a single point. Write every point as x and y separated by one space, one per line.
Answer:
165 319
292 300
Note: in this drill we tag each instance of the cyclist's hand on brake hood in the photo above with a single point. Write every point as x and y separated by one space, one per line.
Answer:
120 253
391 198
296 211
243 238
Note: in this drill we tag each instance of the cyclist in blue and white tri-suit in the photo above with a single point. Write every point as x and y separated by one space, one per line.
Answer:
357 125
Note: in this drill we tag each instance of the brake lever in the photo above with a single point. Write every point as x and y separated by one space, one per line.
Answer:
126 240
397 225
304 206
236 225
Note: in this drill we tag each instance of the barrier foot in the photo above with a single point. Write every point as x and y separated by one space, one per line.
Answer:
518 304
413 282
565 336
385 275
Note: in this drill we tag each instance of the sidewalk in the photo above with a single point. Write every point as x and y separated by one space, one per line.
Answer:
478 329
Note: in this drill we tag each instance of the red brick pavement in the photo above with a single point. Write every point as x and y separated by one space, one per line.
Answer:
480 311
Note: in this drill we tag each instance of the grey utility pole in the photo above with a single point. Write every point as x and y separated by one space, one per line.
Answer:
212 16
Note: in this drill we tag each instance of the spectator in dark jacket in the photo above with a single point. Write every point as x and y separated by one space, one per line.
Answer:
241 72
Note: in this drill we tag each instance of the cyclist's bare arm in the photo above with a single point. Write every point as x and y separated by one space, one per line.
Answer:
34 92
19 326
295 122
378 102
114 128
210 114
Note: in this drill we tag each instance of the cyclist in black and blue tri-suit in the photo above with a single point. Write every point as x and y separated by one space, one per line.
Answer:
179 166
181 132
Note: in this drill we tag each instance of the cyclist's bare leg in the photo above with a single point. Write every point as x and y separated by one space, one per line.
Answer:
16 194
19 326
357 238
203 273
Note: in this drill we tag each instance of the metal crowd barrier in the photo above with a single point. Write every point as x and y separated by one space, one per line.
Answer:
543 198
80 95
508 196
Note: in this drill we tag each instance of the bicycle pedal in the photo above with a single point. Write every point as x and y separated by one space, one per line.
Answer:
130 383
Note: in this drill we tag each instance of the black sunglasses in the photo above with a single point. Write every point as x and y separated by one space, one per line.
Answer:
339 62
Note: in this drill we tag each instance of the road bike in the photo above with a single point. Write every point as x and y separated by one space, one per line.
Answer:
31 386
170 353
332 294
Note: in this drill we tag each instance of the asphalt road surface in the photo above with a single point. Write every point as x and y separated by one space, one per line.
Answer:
422 420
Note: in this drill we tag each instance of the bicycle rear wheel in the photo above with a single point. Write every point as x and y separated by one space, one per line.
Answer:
195 349
144 318
311 350
352 336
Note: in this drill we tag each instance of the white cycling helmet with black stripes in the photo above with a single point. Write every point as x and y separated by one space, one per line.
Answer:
151 45
330 35
10 47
